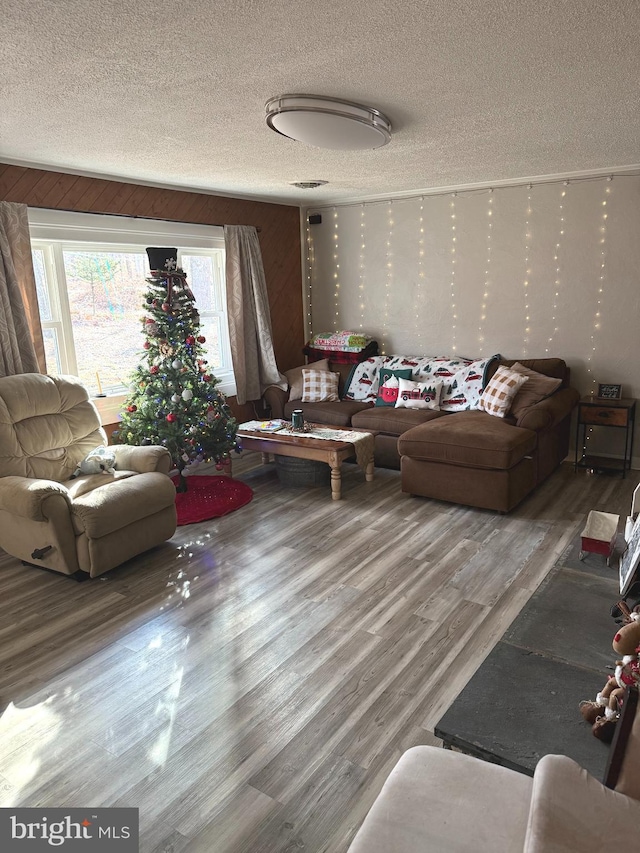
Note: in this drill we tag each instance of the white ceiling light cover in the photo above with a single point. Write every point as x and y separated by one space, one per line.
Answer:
328 123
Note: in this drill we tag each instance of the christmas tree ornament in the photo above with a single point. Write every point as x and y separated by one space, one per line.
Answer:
187 394
176 364
175 398
171 418
201 339
191 340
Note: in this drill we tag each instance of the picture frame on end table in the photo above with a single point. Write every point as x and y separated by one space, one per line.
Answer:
607 391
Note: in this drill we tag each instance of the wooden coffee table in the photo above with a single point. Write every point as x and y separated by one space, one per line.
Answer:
304 446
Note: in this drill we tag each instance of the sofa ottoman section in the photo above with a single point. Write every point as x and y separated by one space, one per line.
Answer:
472 459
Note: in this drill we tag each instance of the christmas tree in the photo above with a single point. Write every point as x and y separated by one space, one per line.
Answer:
174 400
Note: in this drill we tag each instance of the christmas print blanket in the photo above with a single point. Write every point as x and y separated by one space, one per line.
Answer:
463 378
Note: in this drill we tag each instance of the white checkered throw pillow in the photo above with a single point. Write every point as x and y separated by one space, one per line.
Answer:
319 386
503 386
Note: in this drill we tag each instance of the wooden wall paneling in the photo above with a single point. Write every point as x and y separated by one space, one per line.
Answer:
17 181
75 192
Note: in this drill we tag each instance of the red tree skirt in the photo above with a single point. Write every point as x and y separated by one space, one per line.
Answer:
210 497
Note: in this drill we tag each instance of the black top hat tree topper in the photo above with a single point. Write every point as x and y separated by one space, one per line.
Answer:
162 259
163 264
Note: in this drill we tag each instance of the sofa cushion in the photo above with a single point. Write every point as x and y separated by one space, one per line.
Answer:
555 367
294 377
439 801
388 391
319 386
334 414
475 439
424 394
537 387
497 397
392 421
570 810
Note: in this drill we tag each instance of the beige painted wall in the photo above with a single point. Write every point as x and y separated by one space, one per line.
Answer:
570 288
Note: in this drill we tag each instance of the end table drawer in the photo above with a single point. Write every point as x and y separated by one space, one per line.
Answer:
604 415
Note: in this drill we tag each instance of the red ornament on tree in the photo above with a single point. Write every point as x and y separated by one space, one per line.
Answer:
171 417
146 345
201 339
165 306
191 340
154 369
132 408
206 378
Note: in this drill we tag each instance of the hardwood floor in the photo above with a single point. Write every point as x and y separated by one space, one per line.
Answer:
249 685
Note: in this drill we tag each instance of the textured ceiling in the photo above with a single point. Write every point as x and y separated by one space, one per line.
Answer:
478 91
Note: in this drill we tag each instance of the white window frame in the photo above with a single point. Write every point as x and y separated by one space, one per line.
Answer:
55 231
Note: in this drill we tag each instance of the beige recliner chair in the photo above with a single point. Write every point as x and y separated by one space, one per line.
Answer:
89 524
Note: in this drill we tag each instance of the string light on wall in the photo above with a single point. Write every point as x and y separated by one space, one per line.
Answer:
602 274
452 277
527 271
419 319
389 278
362 265
557 266
487 275
310 269
336 274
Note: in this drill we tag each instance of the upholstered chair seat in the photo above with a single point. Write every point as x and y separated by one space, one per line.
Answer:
90 523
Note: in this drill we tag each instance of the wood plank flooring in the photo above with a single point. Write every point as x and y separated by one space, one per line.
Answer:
250 684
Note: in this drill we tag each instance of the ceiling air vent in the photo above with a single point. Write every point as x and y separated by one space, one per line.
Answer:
308 185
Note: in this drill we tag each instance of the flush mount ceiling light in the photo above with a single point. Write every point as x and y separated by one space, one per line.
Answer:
328 123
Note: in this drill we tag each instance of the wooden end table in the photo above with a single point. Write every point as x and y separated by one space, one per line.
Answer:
304 446
620 414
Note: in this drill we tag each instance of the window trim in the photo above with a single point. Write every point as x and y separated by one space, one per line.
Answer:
56 230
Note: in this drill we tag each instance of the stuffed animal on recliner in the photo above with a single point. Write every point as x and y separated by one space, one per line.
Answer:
604 711
101 460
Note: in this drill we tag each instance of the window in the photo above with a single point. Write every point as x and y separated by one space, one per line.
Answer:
91 279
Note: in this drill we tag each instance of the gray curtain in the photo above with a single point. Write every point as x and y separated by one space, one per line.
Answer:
21 342
254 363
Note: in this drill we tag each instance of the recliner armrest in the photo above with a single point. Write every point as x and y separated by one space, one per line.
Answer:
571 810
26 497
143 460
550 411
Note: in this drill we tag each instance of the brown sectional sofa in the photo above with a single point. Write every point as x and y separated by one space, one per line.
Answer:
467 457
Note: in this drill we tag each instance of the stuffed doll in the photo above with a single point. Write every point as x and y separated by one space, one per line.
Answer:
605 710
101 460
